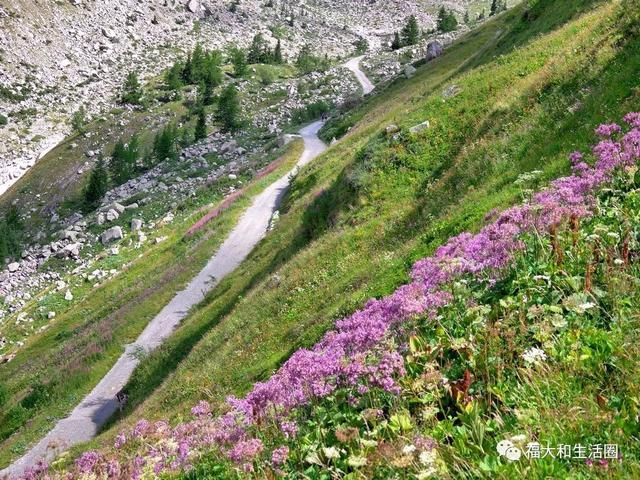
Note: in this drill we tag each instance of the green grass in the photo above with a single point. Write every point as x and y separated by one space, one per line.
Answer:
85 339
356 219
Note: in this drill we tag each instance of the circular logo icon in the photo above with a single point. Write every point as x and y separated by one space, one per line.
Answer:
503 446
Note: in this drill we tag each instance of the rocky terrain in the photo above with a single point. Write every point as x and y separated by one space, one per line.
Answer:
57 56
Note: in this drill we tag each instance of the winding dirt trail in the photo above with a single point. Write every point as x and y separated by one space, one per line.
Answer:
98 406
354 66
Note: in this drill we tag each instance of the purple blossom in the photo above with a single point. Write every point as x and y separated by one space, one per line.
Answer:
290 429
87 461
608 129
121 439
279 456
202 409
246 451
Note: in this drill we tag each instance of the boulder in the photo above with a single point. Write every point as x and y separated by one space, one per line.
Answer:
409 71
391 129
193 6
111 235
420 127
112 215
68 296
434 50
13 267
136 224
117 207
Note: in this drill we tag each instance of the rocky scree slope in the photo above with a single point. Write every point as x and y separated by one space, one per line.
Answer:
59 55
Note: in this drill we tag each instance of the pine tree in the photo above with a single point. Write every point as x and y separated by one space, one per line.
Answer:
447 21
397 42
187 71
277 54
97 186
258 50
79 120
411 31
239 60
132 90
229 108
173 77
165 144
201 126
124 160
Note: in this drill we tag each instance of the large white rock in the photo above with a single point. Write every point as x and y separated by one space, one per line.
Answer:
111 235
112 215
136 224
14 267
193 6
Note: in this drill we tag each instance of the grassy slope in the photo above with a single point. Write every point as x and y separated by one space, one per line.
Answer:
357 218
56 369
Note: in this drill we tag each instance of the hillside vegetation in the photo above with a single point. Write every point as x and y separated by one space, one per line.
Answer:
541 352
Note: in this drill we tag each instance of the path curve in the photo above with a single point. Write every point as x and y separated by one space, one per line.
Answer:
354 66
98 406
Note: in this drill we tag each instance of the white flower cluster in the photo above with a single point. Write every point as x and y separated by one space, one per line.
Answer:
534 356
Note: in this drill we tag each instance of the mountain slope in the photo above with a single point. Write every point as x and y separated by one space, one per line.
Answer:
353 224
57 56
356 221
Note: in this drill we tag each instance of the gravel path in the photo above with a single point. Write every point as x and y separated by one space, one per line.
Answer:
354 66
86 419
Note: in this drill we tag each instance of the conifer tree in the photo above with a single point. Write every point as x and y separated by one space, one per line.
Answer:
239 60
132 90
277 54
411 31
97 186
229 108
201 126
397 42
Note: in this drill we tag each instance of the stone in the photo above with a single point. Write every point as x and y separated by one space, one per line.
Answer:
409 71
136 224
68 296
51 315
111 235
232 176
112 215
420 127
100 220
70 235
391 129
228 146
168 218
117 207
13 267
193 6
72 250
434 50
451 91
